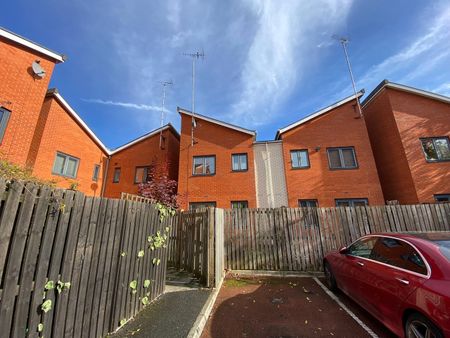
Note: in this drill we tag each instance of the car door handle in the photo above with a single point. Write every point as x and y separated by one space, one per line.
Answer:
360 263
403 281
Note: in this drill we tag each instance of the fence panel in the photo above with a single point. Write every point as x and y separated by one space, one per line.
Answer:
97 245
296 239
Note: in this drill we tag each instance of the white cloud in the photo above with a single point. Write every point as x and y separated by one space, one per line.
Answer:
286 32
443 89
138 106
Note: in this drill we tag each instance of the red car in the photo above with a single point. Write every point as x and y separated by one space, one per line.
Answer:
402 279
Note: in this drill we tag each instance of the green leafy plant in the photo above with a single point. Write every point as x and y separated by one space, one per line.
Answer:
122 322
133 286
147 283
40 327
123 254
156 261
49 285
46 306
140 253
145 300
61 286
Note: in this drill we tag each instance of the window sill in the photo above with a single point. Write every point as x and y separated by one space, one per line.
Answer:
300 168
65 176
335 169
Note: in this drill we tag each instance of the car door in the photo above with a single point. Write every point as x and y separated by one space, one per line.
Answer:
350 271
395 269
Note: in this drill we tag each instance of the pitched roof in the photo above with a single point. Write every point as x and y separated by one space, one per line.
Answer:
408 89
318 113
54 92
145 136
220 123
32 45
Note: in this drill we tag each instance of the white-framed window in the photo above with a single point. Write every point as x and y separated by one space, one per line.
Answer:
299 159
342 158
96 172
436 149
239 162
204 165
65 165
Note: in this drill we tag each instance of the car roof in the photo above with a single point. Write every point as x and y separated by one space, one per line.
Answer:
417 236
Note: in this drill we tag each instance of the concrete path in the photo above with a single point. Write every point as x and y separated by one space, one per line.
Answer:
172 314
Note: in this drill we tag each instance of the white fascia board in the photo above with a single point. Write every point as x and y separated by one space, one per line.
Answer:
221 123
81 122
27 43
411 90
318 113
143 137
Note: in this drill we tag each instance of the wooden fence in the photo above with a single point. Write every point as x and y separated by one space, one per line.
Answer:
136 198
99 246
296 239
190 244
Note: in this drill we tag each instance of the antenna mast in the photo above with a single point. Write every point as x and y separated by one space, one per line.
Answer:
195 56
163 110
344 42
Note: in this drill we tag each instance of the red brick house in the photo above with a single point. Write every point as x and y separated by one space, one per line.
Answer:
409 130
22 92
65 149
129 164
217 168
328 160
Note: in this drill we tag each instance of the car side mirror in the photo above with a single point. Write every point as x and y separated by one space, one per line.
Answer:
343 250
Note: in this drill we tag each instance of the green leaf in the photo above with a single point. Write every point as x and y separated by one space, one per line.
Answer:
123 253
46 306
133 284
167 229
141 253
123 321
144 300
149 239
49 285
134 292
158 261
40 327
154 260
147 283
67 285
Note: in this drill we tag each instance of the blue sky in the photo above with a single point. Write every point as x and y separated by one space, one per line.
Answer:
268 63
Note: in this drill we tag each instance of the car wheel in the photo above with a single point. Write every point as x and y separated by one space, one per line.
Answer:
418 326
329 277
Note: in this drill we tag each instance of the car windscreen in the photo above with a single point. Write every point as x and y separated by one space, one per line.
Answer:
444 247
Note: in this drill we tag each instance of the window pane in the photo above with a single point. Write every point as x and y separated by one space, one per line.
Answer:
442 198
58 166
116 175
198 165
307 203
243 161
72 164
201 205
139 175
96 172
359 203
349 158
362 248
235 159
335 160
210 166
428 149
294 159
303 155
398 253
442 148
239 204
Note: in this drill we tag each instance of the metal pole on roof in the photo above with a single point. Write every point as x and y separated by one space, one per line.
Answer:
163 109
344 41
195 56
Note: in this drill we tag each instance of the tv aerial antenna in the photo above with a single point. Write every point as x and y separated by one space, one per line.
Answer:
344 42
195 56
164 84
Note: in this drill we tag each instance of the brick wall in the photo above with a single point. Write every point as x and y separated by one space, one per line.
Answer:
337 128
22 94
417 117
144 153
393 168
225 186
58 131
